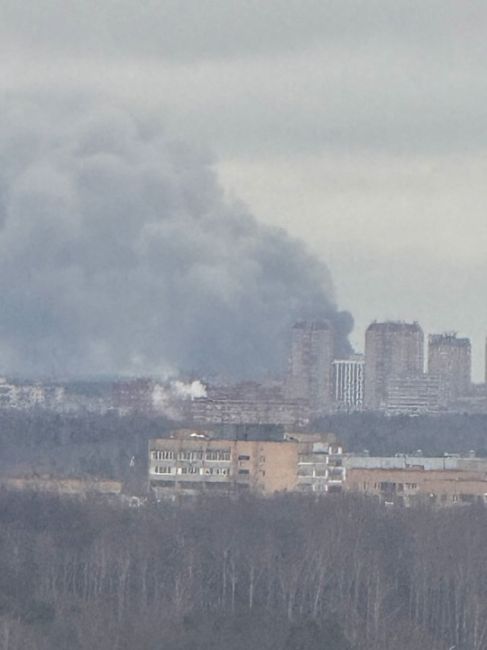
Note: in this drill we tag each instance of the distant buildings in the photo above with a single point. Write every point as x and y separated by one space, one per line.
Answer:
418 395
450 362
348 383
392 350
389 378
25 396
310 364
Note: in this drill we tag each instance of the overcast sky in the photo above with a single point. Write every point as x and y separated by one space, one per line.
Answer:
360 127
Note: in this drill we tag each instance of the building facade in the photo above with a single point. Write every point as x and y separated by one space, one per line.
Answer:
193 463
392 349
405 479
206 410
450 362
310 364
409 485
412 395
348 383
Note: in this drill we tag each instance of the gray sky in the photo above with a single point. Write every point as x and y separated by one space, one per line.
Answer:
358 126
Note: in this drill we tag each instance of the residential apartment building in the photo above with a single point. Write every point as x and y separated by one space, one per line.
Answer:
191 463
348 383
310 364
450 362
392 350
412 395
320 468
207 410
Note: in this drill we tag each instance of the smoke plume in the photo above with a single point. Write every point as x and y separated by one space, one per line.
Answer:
120 254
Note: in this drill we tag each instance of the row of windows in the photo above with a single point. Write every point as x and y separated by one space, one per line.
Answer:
320 472
390 486
206 471
186 454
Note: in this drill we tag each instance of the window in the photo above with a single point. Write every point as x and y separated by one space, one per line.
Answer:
243 457
244 471
162 469
218 454
187 455
163 454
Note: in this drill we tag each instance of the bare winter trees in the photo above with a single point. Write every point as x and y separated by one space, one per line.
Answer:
337 573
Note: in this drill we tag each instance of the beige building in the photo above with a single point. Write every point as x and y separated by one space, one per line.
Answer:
320 468
191 462
404 486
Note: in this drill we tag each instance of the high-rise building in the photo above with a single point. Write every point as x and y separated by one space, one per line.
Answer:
392 349
348 383
310 363
450 362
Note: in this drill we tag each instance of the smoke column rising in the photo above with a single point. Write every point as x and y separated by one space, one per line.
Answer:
119 253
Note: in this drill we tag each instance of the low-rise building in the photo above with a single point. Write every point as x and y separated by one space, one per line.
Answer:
403 480
190 463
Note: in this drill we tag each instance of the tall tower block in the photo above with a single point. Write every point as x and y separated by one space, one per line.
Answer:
450 361
392 350
310 363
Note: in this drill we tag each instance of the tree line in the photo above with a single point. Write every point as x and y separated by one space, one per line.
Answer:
385 436
285 573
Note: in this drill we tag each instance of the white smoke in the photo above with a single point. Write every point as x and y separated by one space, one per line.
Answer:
191 390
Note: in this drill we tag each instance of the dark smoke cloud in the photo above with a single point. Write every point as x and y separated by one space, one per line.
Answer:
119 253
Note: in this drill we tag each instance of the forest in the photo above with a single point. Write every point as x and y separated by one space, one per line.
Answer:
385 436
284 573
